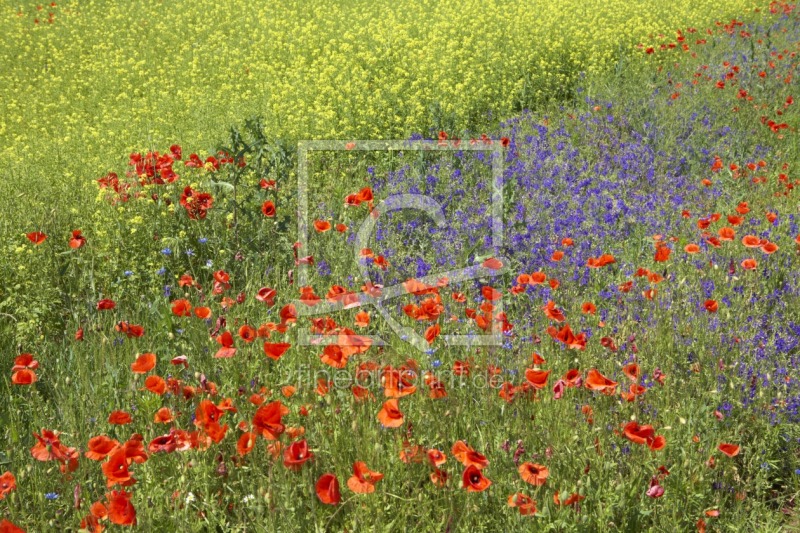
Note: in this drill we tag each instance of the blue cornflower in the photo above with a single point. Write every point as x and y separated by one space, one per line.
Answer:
323 269
51 495
189 252
128 273
161 271
166 251
202 240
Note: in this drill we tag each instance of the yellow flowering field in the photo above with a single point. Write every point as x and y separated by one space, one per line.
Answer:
85 82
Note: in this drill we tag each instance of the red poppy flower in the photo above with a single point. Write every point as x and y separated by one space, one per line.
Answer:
322 226
267 420
537 378
522 502
631 371
588 308
571 500
186 281
644 435
662 254
196 203
106 304
227 349
769 248
749 264
36 237
181 307
726 234
202 312
598 382
24 376
119 418
638 434
144 363
48 447
268 209
362 319
566 336
120 508
116 469
247 333
432 332
573 378
77 240
533 473
288 314
365 194
711 306
473 480
130 330
439 477
296 454
100 447
492 264
731 450
7 484
691 248
398 383
327 489
363 479
275 350
412 453
467 456
751 241
552 312
389 415
361 394
333 355
163 416
9 527
246 443
537 278
599 262
436 457
491 294
155 384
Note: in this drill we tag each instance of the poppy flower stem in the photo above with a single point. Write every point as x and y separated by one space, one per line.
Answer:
339 508
400 498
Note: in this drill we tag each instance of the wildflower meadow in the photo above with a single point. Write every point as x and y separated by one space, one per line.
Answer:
400 266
